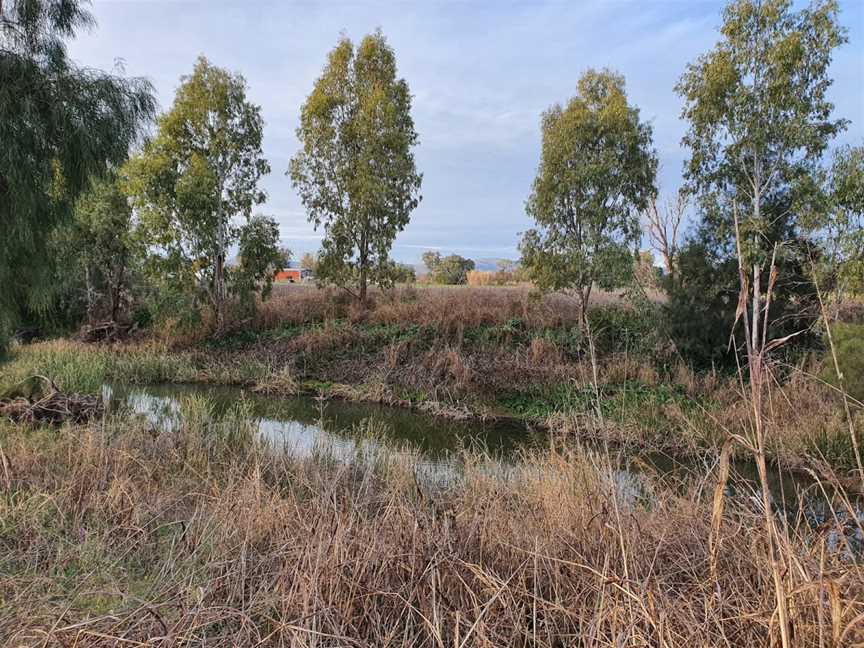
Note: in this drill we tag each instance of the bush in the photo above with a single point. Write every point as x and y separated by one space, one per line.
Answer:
450 270
701 306
849 343
622 329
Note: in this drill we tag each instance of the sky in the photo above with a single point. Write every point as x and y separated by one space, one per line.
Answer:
481 73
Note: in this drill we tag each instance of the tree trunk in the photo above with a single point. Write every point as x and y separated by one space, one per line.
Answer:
219 271
115 292
88 279
219 290
584 297
756 364
363 260
363 282
670 269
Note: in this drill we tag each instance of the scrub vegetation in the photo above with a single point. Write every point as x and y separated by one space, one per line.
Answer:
115 267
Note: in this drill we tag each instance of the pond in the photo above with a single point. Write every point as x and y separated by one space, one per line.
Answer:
304 425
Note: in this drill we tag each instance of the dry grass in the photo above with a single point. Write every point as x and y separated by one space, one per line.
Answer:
494 278
113 535
445 307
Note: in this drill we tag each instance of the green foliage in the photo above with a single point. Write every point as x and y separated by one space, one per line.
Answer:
630 402
701 309
101 243
703 296
759 121
633 331
597 169
838 221
61 125
760 118
260 259
451 270
355 172
404 274
191 183
849 345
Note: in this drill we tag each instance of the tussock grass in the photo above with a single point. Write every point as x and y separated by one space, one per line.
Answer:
201 535
80 367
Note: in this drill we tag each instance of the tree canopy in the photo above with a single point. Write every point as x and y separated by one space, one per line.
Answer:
62 125
759 115
839 219
597 170
195 183
355 171
103 237
760 120
450 270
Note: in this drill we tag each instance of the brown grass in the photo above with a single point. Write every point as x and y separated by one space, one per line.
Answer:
112 535
446 307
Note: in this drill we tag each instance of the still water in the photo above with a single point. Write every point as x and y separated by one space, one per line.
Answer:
305 425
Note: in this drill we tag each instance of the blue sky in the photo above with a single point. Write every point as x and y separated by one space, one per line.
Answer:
480 72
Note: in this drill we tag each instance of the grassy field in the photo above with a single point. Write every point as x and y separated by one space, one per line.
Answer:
113 534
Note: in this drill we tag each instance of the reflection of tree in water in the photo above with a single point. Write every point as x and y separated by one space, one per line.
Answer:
344 430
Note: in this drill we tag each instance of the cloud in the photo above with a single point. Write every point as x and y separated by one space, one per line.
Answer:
480 72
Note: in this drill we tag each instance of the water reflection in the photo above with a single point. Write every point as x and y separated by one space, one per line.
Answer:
344 430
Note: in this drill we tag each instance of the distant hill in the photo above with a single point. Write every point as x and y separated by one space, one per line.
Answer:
491 264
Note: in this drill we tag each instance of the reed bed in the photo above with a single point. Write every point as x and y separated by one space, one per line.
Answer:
119 534
681 411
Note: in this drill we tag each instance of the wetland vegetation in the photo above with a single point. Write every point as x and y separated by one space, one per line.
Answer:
580 448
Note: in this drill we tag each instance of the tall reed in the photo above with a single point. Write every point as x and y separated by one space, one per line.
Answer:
117 534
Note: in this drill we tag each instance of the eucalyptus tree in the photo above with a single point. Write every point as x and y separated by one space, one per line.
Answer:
259 260
196 181
840 220
449 270
597 172
61 125
355 170
759 121
102 240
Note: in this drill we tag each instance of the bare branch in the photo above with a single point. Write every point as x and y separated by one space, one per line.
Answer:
662 225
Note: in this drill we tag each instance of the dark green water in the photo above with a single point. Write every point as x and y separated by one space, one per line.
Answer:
304 425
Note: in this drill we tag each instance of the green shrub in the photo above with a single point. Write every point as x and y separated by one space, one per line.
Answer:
849 344
621 329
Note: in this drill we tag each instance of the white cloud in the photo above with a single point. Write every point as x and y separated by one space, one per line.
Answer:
481 73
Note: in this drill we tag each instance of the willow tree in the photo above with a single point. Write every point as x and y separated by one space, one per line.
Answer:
597 171
196 181
61 125
355 171
759 121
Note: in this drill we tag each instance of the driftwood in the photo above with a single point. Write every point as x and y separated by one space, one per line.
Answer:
38 400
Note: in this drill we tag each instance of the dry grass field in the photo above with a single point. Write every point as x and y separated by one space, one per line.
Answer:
113 535
424 305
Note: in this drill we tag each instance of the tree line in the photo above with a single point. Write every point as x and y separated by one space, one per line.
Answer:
110 211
